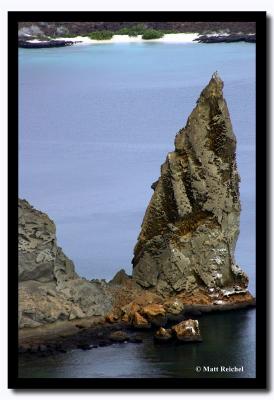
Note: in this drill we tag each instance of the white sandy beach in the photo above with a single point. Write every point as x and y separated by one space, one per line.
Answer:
168 38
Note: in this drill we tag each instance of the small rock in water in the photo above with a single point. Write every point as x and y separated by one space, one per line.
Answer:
187 331
163 335
119 336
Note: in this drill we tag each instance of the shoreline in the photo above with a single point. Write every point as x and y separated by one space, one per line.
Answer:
94 331
85 40
170 38
167 38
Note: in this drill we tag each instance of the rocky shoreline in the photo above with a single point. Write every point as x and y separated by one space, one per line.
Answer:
183 263
44 44
86 334
36 43
232 38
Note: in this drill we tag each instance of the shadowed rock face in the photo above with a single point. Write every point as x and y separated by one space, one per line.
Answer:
191 225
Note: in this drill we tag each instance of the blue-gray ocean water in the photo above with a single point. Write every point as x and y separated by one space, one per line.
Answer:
95 124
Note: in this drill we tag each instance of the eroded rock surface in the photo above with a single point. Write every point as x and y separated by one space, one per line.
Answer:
40 258
191 225
49 288
163 335
187 331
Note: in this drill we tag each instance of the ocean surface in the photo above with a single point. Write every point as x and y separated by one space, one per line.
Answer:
95 124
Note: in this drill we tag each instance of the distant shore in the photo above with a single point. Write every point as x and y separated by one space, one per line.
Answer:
167 38
84 40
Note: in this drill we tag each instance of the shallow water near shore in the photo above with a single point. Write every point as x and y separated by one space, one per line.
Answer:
95 124
224 344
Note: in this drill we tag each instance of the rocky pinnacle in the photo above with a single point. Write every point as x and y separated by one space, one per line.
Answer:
191 225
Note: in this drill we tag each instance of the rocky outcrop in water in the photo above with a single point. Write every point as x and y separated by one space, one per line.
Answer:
187 331
233 38
49 288
45 44
191 225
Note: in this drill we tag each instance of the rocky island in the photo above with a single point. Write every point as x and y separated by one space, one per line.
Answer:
183 261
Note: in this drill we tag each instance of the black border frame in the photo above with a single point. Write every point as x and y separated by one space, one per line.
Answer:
261 380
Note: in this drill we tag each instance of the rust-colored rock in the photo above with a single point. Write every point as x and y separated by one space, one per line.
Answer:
112 317
129 311
187 331
139 322
119 336
153 310
145 297
163 335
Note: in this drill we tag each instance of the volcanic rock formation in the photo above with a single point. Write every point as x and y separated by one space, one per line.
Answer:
49 288
191 225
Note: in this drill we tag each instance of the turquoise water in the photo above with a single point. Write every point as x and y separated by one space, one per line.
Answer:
95 124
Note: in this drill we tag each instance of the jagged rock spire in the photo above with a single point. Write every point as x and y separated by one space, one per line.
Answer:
191 225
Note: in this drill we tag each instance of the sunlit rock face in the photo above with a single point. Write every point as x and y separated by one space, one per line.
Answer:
191 225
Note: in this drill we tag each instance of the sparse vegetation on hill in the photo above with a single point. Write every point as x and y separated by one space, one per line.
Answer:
152 34
135 30
101 35
132 31
61 29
